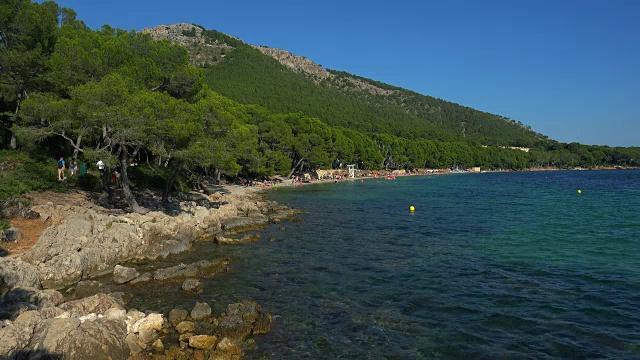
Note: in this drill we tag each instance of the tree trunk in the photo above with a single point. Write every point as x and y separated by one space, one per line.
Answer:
168 184
216 176
106 185
76 148
124 182
13 143
295 167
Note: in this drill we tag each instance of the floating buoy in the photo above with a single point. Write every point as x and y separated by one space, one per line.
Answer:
579 191
411 208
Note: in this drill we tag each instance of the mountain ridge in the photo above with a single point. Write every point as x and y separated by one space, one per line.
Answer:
209 48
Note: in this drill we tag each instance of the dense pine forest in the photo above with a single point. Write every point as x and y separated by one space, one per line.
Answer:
183 113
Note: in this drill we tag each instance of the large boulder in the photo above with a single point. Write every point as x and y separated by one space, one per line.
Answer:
62 271
98 304
73 339
13 339
18 300
84 244
17 273
72 330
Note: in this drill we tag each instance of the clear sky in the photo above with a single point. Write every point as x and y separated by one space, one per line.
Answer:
568 68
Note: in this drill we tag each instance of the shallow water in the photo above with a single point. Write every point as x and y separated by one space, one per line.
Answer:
491 265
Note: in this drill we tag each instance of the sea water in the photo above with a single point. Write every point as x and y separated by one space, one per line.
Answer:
490 265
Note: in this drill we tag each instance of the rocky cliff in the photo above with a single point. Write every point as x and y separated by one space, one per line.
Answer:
206 50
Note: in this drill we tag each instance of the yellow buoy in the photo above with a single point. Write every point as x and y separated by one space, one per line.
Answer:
411 208
579 191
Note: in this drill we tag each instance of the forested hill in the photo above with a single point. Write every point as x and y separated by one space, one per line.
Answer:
285 83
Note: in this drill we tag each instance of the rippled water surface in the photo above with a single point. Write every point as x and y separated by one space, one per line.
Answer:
491 265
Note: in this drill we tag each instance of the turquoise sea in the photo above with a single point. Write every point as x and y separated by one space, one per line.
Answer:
489 266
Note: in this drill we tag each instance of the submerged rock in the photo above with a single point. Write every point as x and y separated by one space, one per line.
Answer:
249 238
237 224
201 311
177 315
123 274
144 278
240 319
227 349
193 286
200 268
89 288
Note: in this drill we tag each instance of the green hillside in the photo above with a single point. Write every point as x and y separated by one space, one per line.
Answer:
462 121
249 77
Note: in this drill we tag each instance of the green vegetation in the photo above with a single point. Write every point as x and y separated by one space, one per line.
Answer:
21 173
120 97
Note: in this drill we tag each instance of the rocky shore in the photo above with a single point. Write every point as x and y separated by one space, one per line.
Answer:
52 306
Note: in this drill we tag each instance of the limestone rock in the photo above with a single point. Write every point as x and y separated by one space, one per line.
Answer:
200 268
49 298
61 271
132 343
12 339
123 274
150 322
249 238
17 273
238 321
87 288
177 315
185 327
158 345
201 311
147 336
146 277
193 286
116 314
238 224
18 300
227 350
98 304
203 342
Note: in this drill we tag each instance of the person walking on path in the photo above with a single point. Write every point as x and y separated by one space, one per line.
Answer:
61 169
100 166
73 167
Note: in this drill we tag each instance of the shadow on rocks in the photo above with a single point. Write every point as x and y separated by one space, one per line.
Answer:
41 355
15 301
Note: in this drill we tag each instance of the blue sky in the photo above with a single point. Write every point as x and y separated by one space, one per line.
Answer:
569 69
